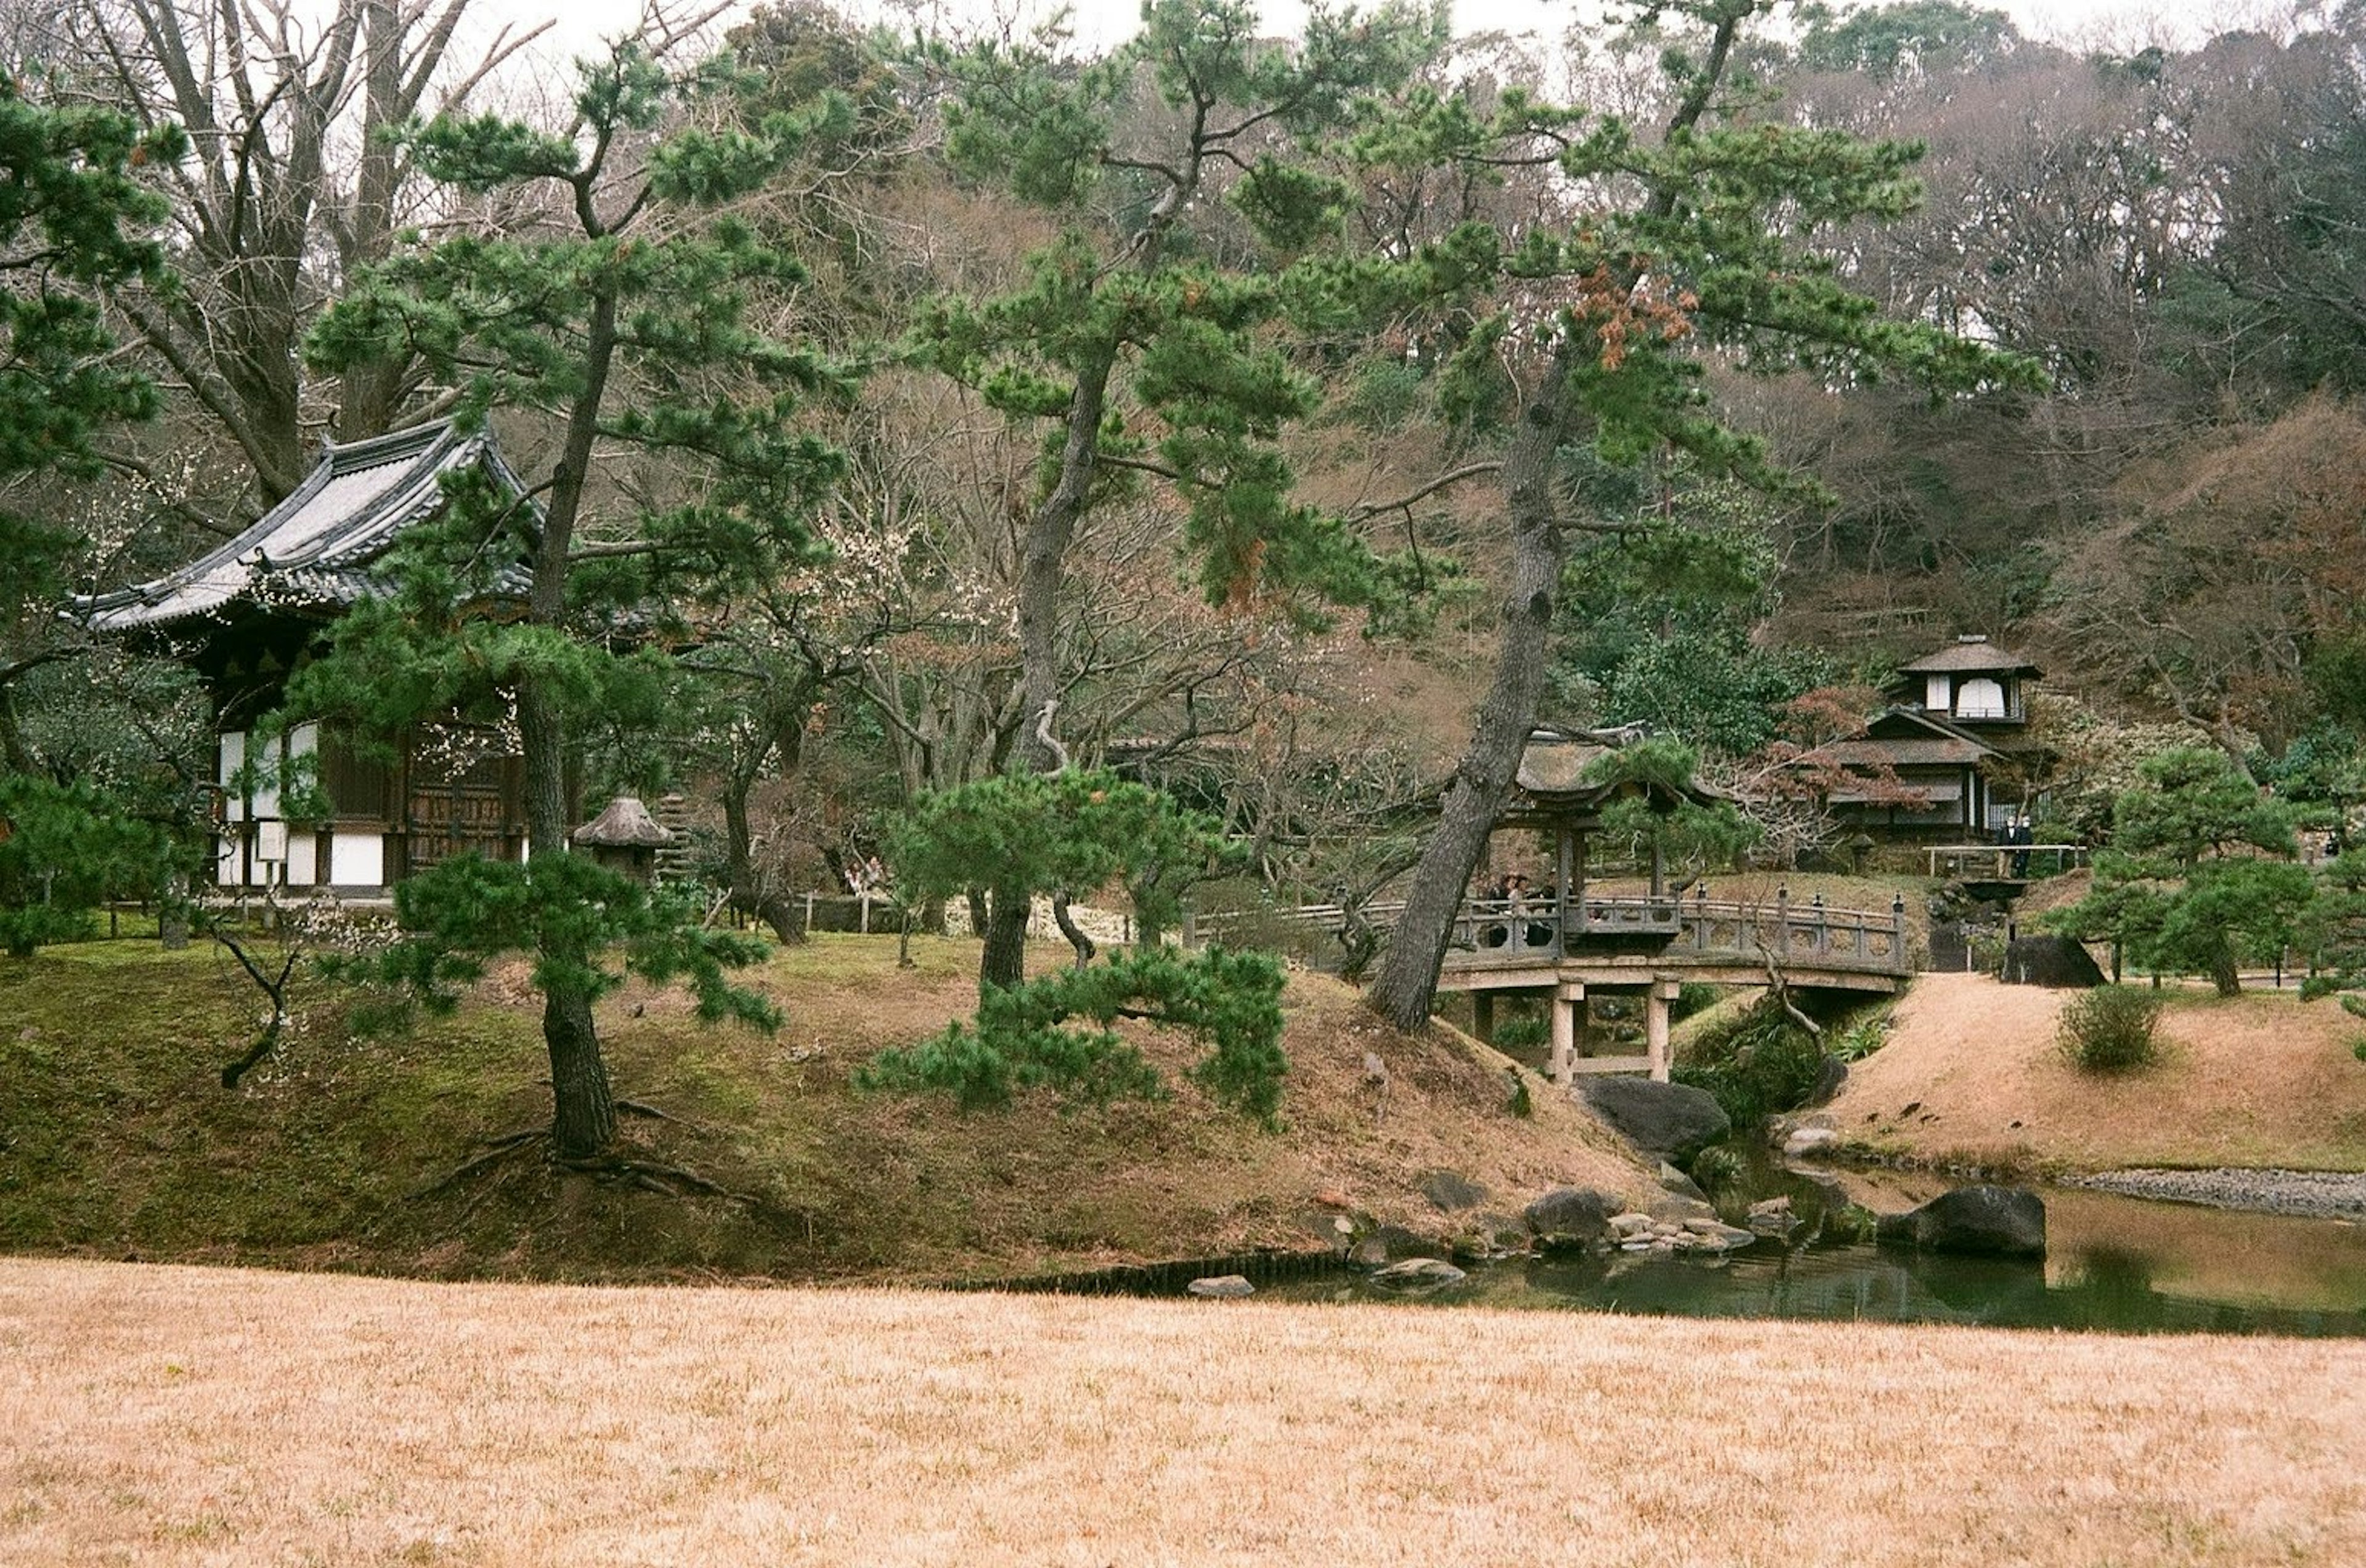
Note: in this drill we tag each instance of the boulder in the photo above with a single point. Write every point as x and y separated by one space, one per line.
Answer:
1672 1122
1809 1141
1451 1191
1990 1221
2060 961
1573 1212
1831 1075
1418 1274
1683 1186
1221 1287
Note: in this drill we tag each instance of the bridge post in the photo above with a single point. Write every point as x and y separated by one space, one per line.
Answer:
1567 996
1655 1026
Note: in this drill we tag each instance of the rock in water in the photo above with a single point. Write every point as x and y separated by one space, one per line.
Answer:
1571 1212
1991 1222
1222 1287
1418 1274
1809 1141
1667 1121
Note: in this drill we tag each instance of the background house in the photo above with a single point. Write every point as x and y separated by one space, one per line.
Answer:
1957 725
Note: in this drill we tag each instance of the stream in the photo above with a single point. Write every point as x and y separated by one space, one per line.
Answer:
2115 1263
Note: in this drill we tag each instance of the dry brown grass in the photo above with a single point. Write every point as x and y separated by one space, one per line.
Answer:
2257 1080
171 1416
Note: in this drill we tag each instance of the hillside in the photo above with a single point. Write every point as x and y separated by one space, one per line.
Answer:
1970 1073
117 1140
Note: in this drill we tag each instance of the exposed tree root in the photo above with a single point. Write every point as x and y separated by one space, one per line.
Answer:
672 1180
496 1150
649 1175
655 1114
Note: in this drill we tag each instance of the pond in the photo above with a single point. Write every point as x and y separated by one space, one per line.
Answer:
2125 1265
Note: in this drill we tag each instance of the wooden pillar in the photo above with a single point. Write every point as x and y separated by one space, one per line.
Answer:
1561 857
1655 1027
1483 1015
1659 870
1568 997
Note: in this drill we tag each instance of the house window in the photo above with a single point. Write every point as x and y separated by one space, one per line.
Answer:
1980 698
1934 693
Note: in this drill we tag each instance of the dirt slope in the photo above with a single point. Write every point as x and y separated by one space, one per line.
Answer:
117 1140
2257 1080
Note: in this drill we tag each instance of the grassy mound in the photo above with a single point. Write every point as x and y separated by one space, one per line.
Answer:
117 1140
1972 1075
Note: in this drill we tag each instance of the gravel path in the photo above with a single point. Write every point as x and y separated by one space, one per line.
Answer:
2319 1194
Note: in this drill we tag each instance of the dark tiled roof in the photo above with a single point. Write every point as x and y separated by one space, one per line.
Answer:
313 549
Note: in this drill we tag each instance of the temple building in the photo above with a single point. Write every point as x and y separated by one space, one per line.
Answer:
248 614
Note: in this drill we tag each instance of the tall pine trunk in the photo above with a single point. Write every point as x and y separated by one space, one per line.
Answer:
583 1108
1004 962
1407 984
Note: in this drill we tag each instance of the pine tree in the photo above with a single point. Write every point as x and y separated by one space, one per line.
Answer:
626 318
73 219
1693 245
1135 320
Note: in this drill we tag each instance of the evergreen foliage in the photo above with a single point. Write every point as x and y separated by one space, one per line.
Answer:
1682 831
2198 877
631 319
1231 1002
1026 836
1760 1064
1657 626
2111 1028
73 215
1022 836
65 849
587 928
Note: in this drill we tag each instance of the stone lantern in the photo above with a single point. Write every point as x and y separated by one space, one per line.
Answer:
624 838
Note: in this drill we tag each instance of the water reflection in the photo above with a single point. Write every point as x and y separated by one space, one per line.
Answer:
2117 1263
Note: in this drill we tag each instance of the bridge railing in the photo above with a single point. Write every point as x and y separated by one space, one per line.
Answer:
1499 932
2004 863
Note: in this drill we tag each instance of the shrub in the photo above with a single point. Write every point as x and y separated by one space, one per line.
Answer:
2111 1028
1760 1063
1862 1039
1528 1032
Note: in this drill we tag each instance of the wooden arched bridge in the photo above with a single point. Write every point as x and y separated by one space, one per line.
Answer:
1571 951
1572 943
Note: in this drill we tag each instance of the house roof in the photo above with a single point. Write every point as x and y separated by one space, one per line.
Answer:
312 550
1552 775
1971 655
1907 737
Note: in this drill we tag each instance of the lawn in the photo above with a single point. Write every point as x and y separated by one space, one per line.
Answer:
176 1416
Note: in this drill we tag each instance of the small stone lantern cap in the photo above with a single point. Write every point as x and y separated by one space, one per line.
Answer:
627 824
